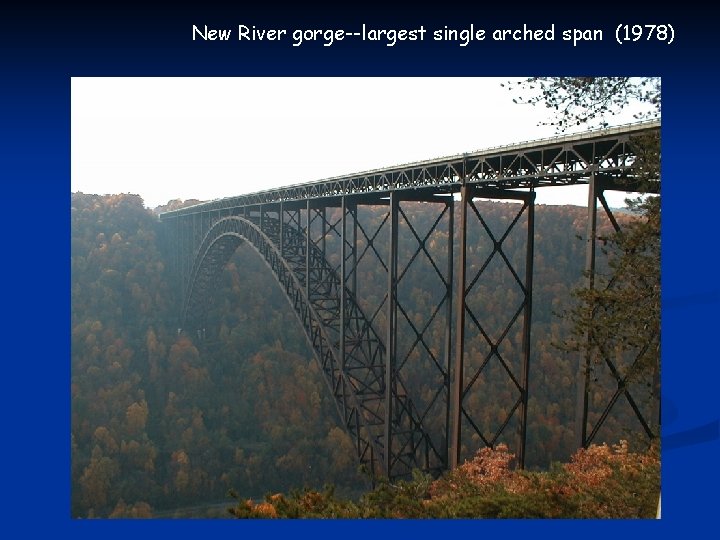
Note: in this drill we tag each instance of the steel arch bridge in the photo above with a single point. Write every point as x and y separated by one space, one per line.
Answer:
315 236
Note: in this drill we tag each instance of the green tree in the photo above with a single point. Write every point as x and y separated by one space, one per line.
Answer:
623 313
590 101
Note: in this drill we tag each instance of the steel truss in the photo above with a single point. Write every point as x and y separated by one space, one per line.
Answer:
550 162
325 242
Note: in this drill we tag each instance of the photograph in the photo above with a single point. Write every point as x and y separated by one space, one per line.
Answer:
365 297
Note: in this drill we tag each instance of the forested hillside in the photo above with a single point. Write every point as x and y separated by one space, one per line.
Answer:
161 420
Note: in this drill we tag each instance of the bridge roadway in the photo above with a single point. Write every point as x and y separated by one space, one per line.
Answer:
315 258
555 161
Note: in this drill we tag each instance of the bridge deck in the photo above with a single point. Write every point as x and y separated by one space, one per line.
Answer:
563 160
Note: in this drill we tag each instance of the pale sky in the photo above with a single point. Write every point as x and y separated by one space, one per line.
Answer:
207 138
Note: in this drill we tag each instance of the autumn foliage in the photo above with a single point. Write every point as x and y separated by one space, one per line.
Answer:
599 482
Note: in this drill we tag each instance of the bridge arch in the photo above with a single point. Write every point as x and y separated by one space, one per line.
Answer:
351 358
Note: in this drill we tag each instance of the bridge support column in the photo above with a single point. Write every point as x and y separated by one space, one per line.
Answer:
281 240
527 317
187 247
307 255
474 373
343 288
391 333
458 367
353 244
583 380
448 331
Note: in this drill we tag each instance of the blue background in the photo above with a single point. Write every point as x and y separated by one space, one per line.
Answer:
42 47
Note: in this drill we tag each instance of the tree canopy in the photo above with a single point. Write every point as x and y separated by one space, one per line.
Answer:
590 101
